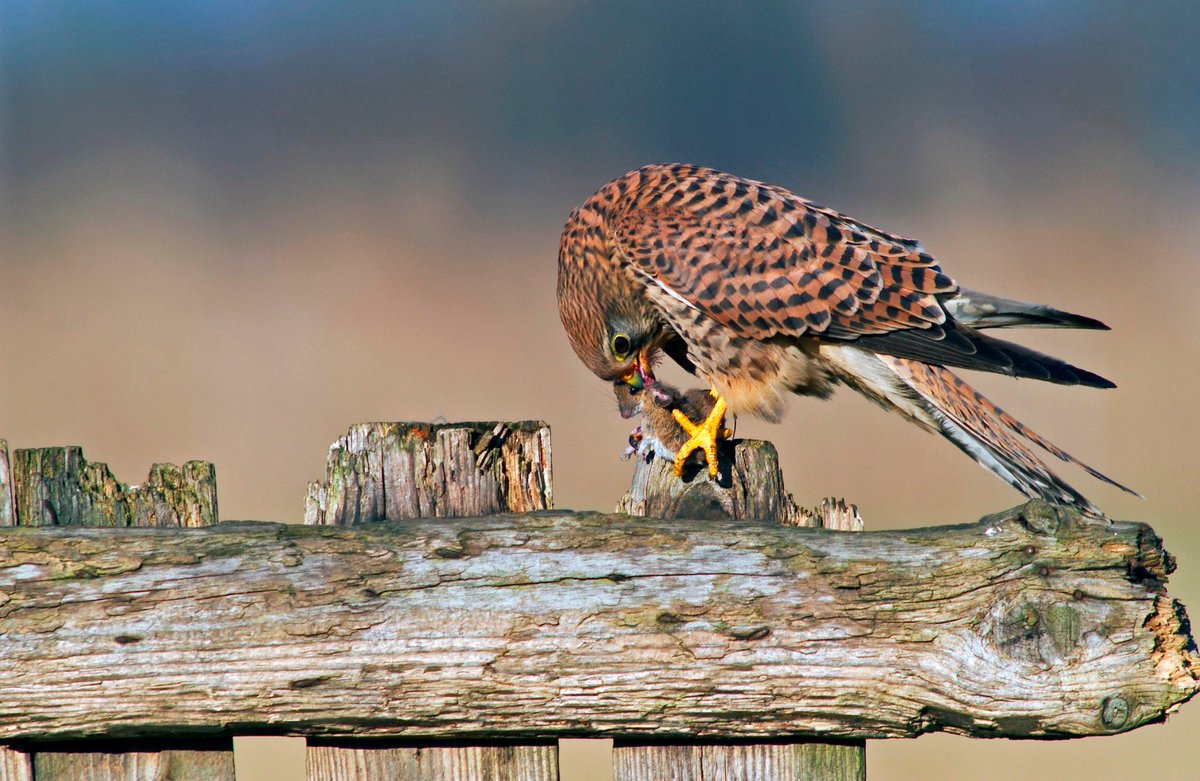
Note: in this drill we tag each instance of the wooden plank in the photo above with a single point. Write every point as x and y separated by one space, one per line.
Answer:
750 762
8 508
400 471
1031 623
59 487
830 761
433 763
658 762
169 765
15 765
754 489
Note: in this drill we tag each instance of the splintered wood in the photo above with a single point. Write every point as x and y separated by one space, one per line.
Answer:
725 637
404 471
394 471
57 486
749 485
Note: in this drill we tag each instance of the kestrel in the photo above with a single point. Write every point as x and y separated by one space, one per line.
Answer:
763 294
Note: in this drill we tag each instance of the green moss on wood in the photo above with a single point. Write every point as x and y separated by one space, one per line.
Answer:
57 486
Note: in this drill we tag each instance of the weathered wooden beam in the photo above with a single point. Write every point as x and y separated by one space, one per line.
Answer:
1031 623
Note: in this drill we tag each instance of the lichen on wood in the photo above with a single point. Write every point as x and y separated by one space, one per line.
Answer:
394 471
539 625
749 484
57 486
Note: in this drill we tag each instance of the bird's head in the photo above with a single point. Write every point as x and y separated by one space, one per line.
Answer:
612 326
617 344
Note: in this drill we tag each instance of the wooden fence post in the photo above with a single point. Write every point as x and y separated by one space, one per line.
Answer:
750 486
402 471
8 507
399 471
58 486
14 765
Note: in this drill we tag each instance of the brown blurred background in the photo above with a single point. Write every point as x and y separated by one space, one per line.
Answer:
228 230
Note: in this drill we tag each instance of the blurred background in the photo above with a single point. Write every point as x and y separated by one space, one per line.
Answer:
228 230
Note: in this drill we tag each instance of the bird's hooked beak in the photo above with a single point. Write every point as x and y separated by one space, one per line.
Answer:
640 374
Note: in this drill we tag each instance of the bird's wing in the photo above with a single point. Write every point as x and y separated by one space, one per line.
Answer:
763 262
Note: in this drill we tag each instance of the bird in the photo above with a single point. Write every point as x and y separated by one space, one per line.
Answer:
764 295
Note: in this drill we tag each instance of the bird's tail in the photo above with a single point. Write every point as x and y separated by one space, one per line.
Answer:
996 440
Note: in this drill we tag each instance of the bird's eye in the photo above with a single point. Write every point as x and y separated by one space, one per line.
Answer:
620 346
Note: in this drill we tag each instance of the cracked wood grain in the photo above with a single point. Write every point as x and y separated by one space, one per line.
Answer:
434 763
1031 623
59 487
749 485
398 471
393 471
8 516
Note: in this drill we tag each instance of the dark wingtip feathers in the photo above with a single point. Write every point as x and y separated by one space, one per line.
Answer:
981 310
956 345
1049 317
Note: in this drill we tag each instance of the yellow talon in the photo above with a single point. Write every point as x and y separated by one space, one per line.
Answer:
703 436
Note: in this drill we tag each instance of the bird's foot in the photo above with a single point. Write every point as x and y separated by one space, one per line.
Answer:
703 436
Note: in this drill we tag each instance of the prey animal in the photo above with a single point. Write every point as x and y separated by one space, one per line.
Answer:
763 294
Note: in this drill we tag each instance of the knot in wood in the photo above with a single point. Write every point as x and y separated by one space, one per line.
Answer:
1046 519
1114 711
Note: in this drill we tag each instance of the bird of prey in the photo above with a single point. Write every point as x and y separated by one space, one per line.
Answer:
763 294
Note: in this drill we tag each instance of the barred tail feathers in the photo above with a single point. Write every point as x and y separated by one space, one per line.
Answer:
991 436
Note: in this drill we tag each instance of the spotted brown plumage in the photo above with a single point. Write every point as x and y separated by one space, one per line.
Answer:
764 294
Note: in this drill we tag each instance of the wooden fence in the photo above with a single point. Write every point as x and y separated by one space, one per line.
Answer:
724 635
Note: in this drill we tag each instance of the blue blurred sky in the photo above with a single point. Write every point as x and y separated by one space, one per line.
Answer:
513 101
